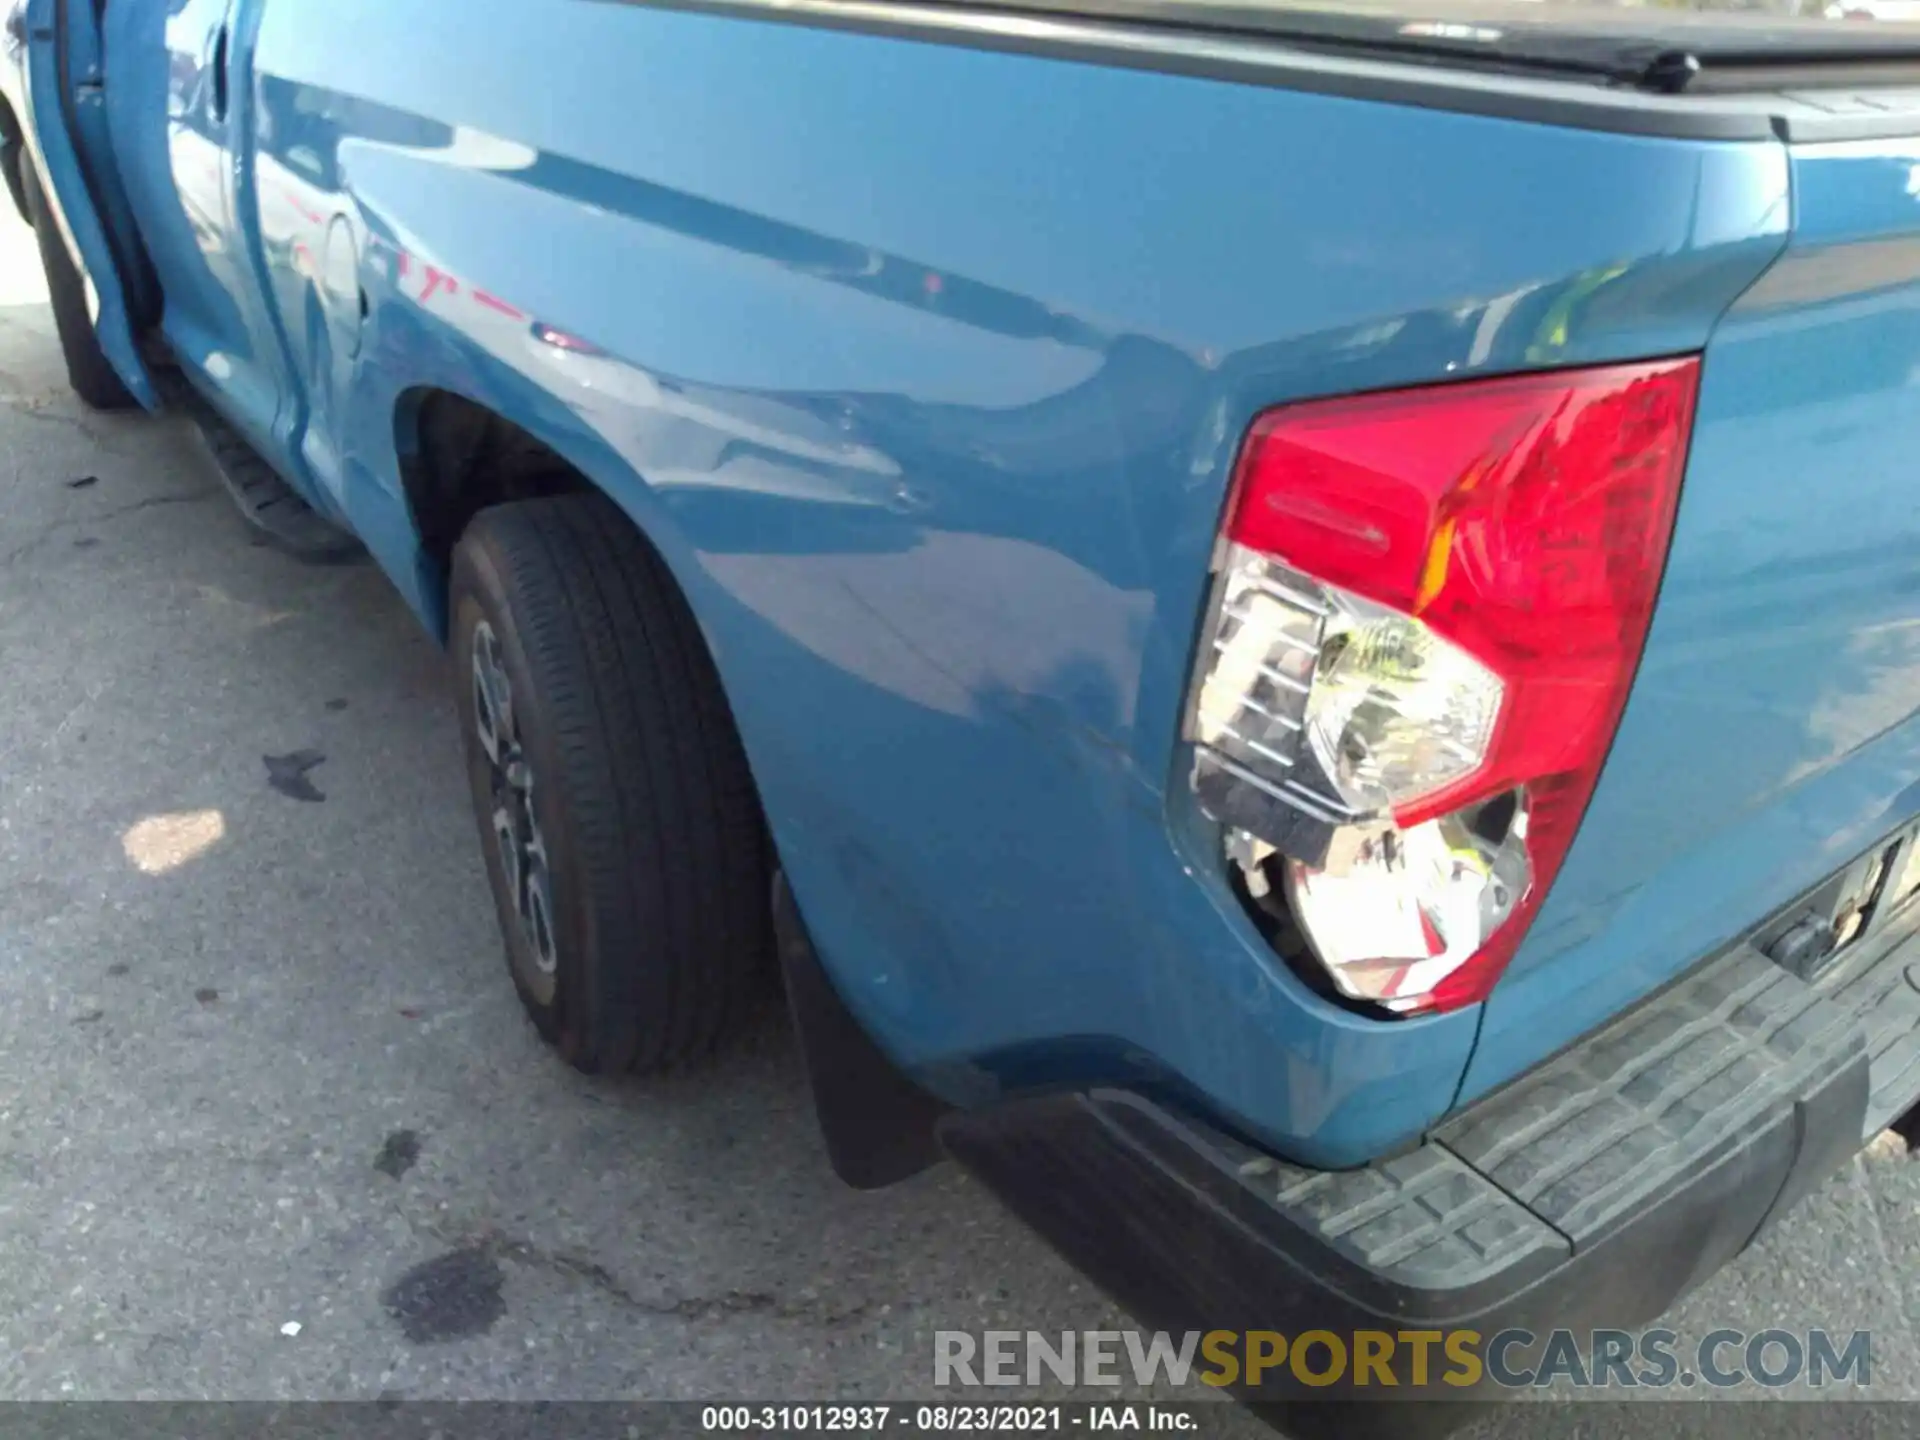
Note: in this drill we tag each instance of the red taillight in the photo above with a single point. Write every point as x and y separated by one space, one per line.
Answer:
1522 523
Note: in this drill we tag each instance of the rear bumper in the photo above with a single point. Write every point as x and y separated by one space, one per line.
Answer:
1594 1191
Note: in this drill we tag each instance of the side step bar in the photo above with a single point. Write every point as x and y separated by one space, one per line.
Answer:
266 502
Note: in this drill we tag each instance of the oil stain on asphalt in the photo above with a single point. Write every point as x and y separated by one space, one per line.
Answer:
450 1297
398 1154
288 774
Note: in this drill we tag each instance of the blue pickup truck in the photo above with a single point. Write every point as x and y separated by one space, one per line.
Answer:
1296 625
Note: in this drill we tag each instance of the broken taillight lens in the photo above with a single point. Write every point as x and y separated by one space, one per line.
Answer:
1426 615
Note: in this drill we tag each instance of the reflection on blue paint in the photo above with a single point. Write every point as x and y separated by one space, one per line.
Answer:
1770 737
924 367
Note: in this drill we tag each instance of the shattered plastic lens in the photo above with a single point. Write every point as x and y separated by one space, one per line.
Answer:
1427 611
1393 912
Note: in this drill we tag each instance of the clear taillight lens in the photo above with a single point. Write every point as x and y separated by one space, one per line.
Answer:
1427 610
1395 711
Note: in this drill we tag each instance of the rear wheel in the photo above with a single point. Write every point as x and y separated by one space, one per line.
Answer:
622 832
93 379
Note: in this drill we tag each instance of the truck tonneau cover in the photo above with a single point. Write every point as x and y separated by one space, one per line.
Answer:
1701 46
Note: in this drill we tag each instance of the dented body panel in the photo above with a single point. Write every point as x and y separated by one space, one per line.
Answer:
924 361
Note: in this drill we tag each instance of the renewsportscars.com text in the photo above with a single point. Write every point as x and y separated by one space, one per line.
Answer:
1384 1359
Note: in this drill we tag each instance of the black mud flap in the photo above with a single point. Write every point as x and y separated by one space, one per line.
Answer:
879 1126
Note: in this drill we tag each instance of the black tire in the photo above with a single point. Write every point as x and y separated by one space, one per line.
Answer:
88 372
657 858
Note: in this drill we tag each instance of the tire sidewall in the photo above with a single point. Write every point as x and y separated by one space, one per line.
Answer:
479 591
89 372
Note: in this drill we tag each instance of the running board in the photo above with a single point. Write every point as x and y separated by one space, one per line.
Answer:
265 501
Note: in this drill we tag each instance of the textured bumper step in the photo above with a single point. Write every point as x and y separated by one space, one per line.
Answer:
1603 1130
1873 987
1732 1057
1427 1218
1594 1191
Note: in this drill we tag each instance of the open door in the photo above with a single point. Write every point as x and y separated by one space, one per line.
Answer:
66 136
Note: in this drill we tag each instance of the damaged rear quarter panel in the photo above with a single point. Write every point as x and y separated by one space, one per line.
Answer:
925 367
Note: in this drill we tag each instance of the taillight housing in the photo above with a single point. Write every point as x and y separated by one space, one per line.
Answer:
1427 611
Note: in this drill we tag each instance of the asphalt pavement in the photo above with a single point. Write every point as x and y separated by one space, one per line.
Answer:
272 1125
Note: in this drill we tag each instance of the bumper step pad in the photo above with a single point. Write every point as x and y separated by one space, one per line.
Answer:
1602 1131
1593 1191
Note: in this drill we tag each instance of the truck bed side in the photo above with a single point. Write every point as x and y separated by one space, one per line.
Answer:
925 365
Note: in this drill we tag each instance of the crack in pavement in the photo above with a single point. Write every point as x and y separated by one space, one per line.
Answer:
810 1308
26 408
1862 1180
33 542
108 432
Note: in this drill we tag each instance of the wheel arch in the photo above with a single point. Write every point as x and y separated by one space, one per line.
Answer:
458 455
